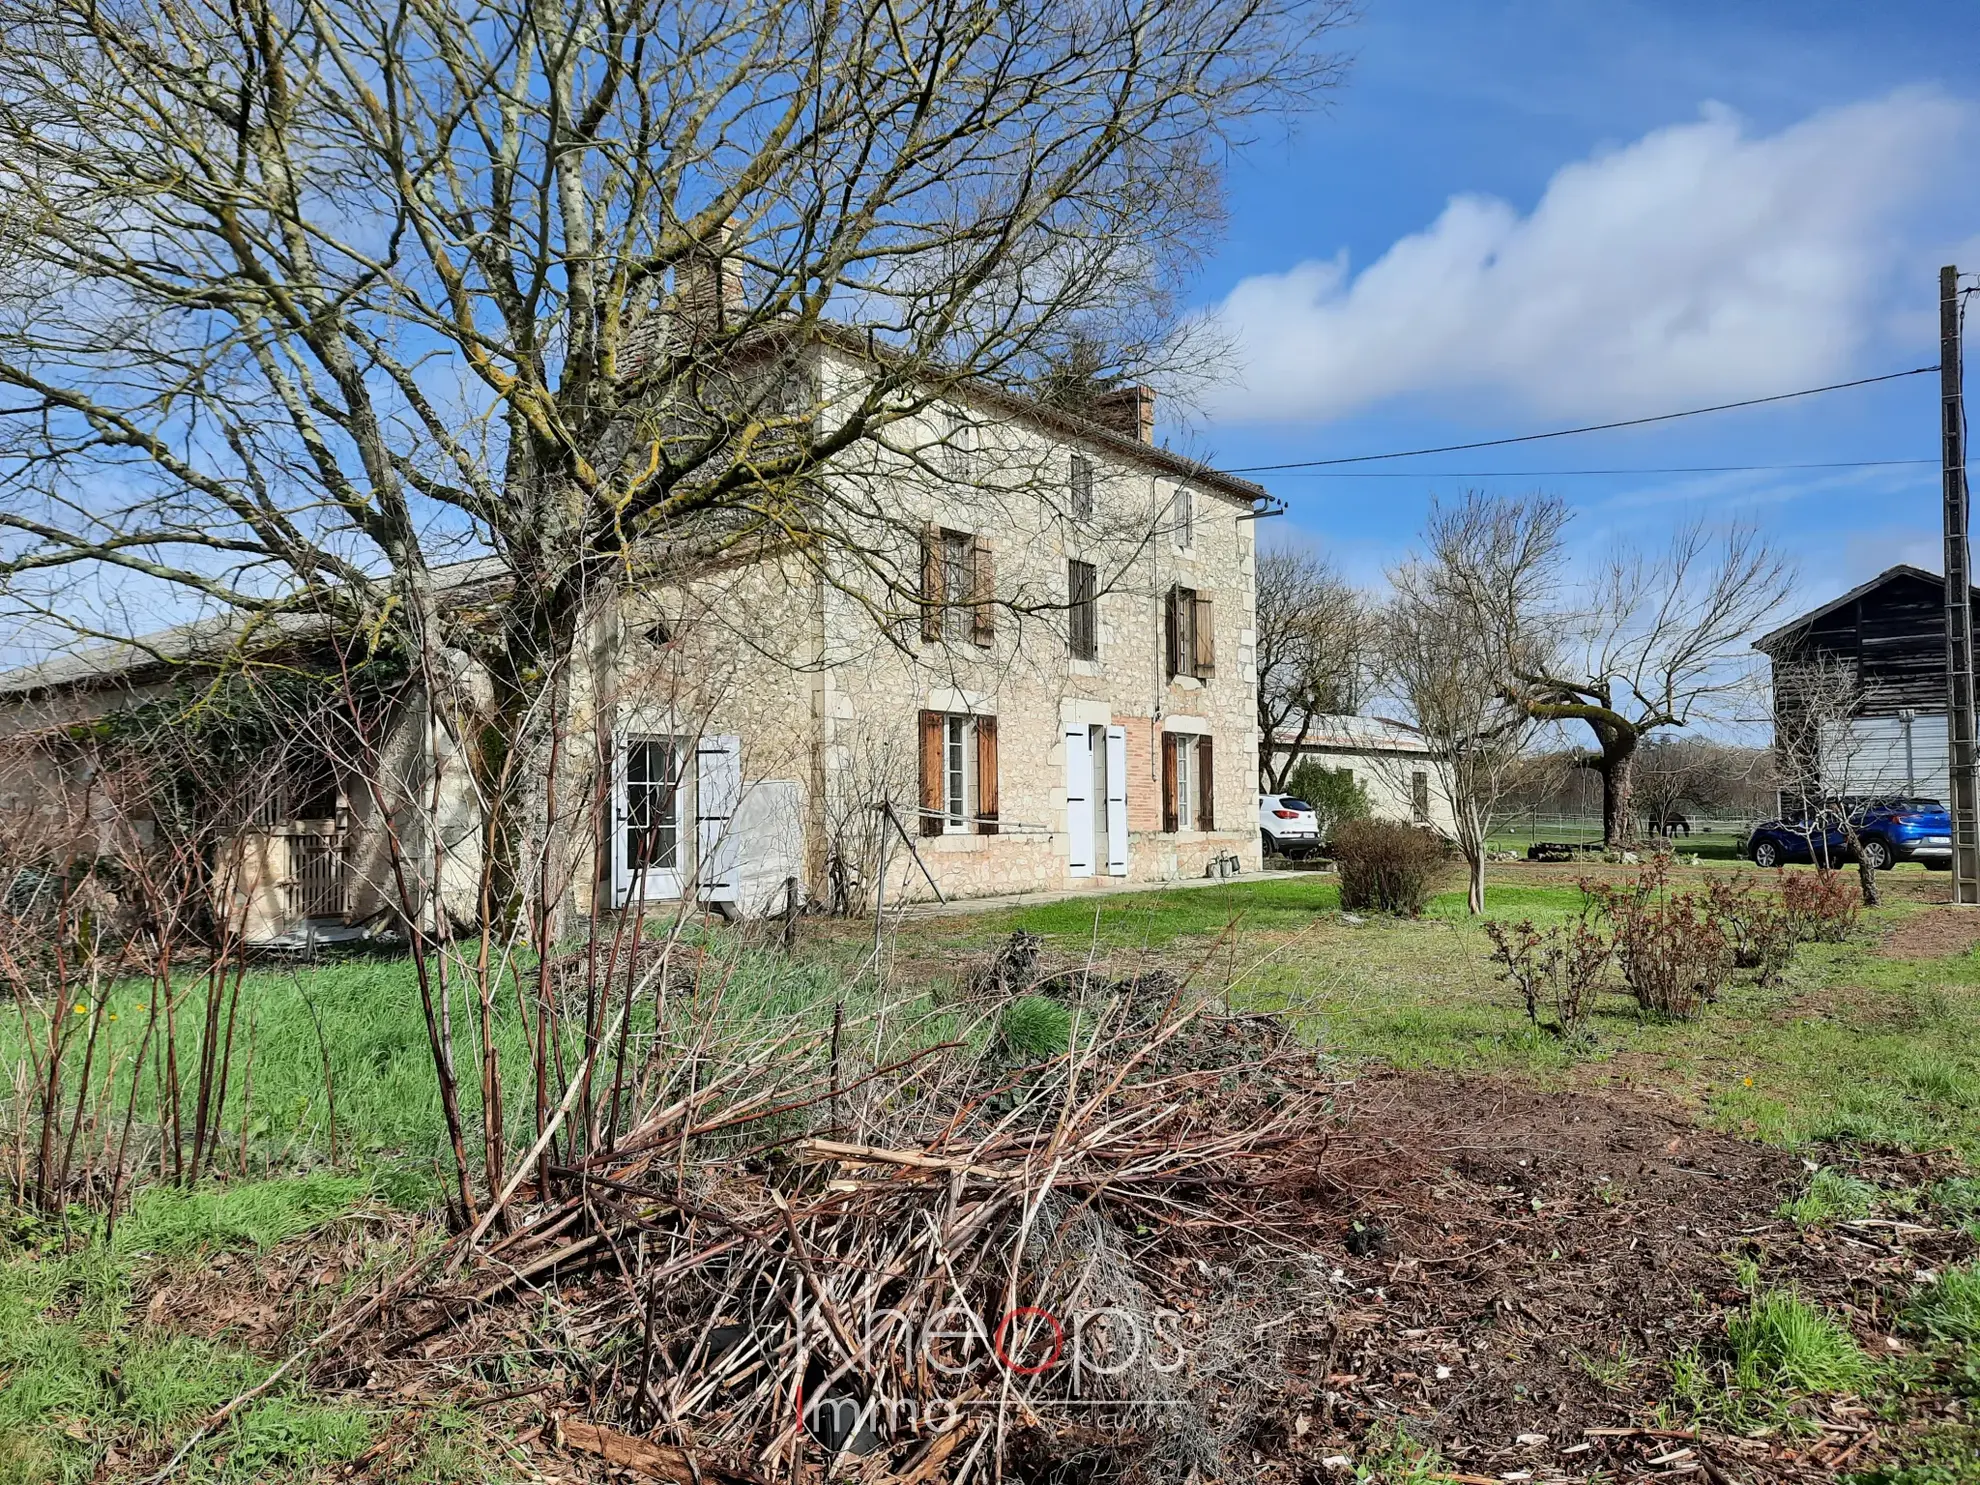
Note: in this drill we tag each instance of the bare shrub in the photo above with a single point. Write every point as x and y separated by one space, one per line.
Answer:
1757 926
1387 867
1558 970
1819 907
1674 955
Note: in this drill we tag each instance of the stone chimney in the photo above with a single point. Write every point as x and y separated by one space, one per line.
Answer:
709 285
1128 411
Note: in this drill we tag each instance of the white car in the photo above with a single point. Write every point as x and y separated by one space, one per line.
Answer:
1288 825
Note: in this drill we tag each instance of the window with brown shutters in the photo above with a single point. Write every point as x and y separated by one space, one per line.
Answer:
958 774
1190 634
933 590
933 789
958 586
982 592
1083 609
1206 791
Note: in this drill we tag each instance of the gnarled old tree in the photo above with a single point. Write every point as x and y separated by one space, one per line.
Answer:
302 300
1653 644
1312 653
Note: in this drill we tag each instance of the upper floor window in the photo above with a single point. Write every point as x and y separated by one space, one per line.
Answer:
1083 609
1183 516
1190 632
958 586
958 446
1082 488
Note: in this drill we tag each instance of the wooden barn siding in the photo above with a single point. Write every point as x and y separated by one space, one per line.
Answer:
1896 638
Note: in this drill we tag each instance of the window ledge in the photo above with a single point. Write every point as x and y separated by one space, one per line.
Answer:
1078 666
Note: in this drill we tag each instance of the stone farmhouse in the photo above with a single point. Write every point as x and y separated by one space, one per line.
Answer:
1402 776
1027 665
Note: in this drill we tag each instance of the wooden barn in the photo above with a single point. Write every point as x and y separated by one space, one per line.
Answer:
1860 691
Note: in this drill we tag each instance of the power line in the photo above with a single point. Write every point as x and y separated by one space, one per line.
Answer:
1493 443
1486 474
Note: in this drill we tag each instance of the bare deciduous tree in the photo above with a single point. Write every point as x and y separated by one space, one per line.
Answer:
1654 644
1312 651
1823 761
300 301
1470 609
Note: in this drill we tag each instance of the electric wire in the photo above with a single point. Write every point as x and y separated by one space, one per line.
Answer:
1488 474
1494 443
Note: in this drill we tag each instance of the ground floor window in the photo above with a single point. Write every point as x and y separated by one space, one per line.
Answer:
653 808
1188 783
1419 796
958 774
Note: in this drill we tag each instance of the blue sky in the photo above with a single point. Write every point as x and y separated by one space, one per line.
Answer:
1584 211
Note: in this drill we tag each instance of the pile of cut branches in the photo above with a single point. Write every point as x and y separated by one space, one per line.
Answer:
945 1263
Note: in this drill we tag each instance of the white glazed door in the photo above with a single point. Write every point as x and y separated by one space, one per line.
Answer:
647 792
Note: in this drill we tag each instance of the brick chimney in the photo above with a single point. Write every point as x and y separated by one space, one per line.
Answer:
709 284
1128 411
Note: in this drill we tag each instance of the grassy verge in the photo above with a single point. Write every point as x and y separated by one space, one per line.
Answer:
90 1384
1852 1044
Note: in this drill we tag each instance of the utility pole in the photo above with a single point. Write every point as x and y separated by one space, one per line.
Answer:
1964 750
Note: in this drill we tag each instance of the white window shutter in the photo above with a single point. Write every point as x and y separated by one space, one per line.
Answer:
616 824
1079 801
1117 825
718 790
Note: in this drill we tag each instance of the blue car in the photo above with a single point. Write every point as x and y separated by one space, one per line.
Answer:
1888 830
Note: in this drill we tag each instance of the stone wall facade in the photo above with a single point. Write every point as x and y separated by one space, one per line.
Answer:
826 675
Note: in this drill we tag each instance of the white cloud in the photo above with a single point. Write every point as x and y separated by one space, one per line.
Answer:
1700 262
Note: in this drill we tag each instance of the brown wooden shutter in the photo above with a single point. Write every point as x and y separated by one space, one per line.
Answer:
986 775
1172 632
1206 639
983 583
1206 787
932 596
933 805
1167 743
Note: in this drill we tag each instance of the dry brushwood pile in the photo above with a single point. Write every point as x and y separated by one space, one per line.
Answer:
953 1265
1181 1249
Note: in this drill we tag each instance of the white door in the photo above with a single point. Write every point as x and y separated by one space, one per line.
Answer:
646 825
1079 800
1117 826
718 790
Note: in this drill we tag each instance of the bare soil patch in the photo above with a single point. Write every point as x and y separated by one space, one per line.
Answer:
1936 933
1517 1269
1504 1273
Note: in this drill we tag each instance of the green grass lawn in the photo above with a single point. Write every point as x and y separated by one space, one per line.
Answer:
1851 1043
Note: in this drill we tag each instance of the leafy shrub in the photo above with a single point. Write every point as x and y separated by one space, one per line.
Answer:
1386 866
1820 906
1674 956
1757 926
1335 794
1557 971
1783 1341
1035 1026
